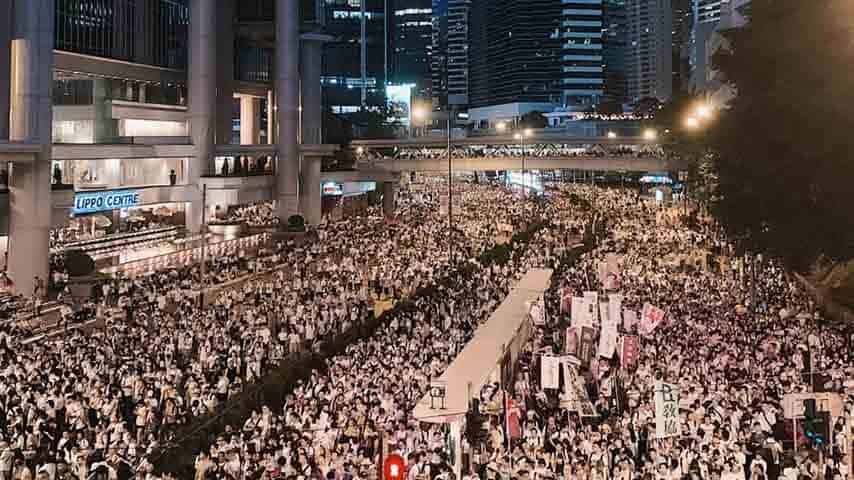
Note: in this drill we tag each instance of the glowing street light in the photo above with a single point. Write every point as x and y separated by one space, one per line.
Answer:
528 132
360 150
501 127
704 111
650 134
419 113
692 123
612 135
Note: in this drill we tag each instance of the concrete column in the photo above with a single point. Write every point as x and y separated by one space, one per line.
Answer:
5 66
310 192
271 118
143 97
389 198
31 121
201 79
105 128
312 94
225 71
287 92
250 122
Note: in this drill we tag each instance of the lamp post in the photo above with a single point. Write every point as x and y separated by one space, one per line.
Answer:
417 117
450 188
521 136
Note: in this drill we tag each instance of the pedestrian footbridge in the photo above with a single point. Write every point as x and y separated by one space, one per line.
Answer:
539 152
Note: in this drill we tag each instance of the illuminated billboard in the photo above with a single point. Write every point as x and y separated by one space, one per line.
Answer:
399 103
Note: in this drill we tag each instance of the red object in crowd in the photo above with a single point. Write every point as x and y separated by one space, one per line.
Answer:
394 468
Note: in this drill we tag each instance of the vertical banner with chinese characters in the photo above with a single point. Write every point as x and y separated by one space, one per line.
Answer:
667 422
630 351
566 300
585 345
549 371
591 307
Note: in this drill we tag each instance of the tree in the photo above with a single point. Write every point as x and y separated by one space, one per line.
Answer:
534 119
374 123
646 107
783 146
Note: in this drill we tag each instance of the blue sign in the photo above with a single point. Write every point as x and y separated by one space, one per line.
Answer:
101 201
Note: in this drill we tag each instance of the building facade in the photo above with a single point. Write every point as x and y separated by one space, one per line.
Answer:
583 79
614 53
160 111
355 61
649 62
411 47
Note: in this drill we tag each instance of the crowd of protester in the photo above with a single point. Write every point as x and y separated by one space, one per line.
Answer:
737 336
734 351
96 404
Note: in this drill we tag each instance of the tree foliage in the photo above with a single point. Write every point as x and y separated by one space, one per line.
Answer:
783 146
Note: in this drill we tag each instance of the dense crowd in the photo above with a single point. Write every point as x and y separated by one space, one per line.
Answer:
332 425
255 215
732 357
736 337
98 403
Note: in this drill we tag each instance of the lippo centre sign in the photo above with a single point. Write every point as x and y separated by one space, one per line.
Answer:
101 201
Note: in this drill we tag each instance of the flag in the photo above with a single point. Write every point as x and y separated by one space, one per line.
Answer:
580 315
650 318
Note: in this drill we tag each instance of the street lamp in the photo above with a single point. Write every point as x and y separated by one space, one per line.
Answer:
521 136
650 134
612 135
692 123
704 111
418 115
501 127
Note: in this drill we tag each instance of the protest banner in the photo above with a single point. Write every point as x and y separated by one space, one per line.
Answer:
615 308
630 319
585 345
549 371
566 300
667 422
650 318
570 346
591 305
630 351
580 313
608 339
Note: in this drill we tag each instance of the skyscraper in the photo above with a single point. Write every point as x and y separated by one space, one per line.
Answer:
649 64
515 50
707 15
615 49
683 18
354 62
410 44
583 75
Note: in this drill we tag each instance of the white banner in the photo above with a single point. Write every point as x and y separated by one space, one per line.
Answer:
549 371
591 306
615 308
580 313
630 319
608 339
537 310
667 423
